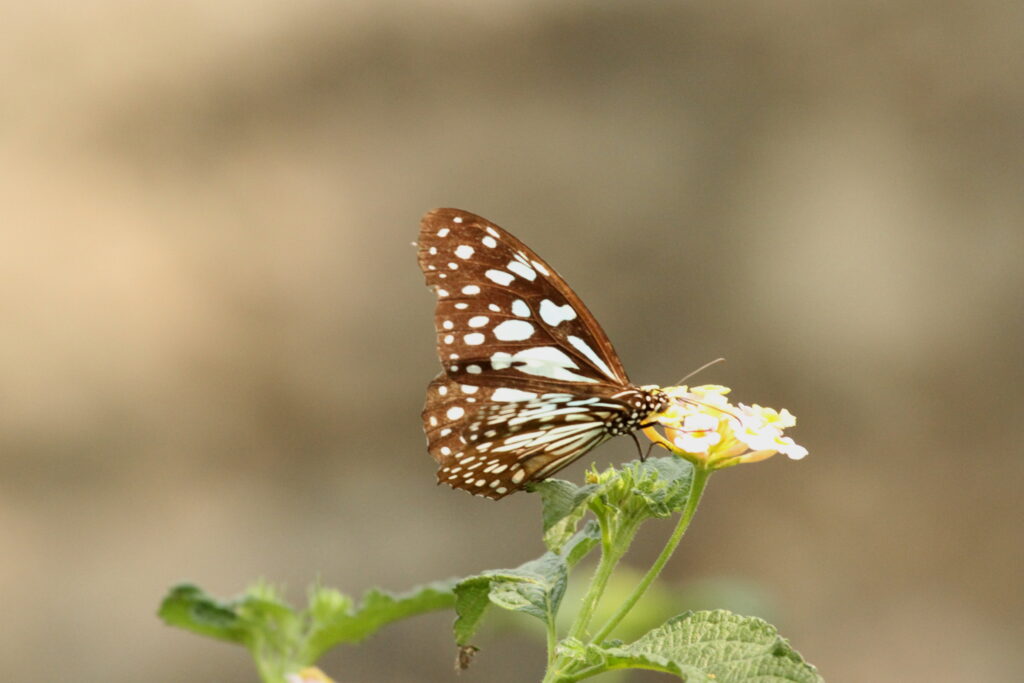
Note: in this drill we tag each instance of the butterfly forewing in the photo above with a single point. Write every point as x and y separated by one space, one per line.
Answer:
504 317
530 381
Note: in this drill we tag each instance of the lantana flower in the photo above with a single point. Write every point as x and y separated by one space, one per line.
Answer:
309 675
702 426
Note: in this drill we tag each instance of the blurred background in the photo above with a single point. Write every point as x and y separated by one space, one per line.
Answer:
217 339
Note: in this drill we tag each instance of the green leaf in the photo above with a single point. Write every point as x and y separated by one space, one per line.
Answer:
188 607
657 487
669 485
535 588
717 645
240 620
471 601
282 639
594 659
564 506
577 547
260 620
332 621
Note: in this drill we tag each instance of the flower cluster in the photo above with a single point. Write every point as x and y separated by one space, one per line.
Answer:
701 426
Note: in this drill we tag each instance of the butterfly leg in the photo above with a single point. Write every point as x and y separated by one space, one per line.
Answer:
639 448
643 455
650 448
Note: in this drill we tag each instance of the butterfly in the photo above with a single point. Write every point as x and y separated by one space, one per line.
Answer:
530 381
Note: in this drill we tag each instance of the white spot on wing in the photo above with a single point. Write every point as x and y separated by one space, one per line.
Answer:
478 321
514 330
457 219
442 390
518 476
522 270
520 308
443 232
540 266
553 314
469 389
500 277
543 361
462 305
455 412
509 394
470 289
493 231
447 324
474 369
464 251
585 349
489 242
474 339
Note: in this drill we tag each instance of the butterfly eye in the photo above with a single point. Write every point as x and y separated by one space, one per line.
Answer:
530 381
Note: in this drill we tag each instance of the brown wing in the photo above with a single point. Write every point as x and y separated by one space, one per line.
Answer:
492 441
504 317
530 382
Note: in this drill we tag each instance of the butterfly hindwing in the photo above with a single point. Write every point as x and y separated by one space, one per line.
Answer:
492 441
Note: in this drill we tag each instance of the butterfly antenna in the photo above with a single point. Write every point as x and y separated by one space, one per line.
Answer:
683 401
702 369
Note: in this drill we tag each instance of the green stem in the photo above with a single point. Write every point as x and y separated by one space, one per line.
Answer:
697 484
613 547
552 639
615 540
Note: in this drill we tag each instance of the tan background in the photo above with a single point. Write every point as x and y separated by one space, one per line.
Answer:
216 340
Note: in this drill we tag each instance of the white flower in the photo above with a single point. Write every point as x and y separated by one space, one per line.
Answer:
698 434
701 426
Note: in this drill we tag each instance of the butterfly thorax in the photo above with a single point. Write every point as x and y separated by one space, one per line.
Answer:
645 402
